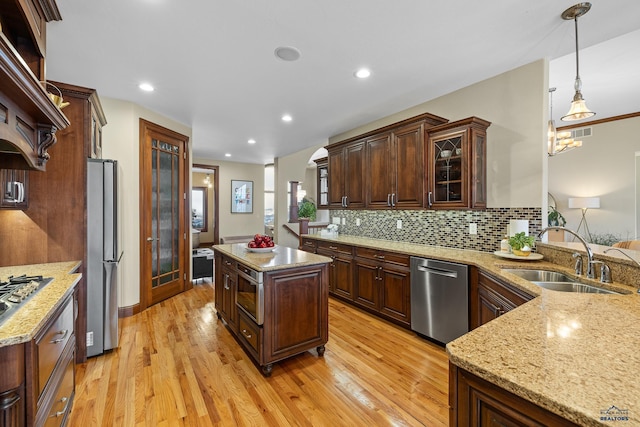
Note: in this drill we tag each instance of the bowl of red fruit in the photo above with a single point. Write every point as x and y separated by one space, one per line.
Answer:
261 243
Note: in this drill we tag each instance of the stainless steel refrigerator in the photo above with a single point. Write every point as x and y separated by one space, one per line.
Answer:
103 256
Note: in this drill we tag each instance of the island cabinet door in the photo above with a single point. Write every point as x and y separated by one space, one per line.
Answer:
296 311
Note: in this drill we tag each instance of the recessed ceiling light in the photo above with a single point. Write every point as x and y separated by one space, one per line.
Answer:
287 118
362 73
227 154
287 53
145 87
251 141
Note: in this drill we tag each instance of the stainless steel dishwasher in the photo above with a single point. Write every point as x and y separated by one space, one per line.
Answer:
439 299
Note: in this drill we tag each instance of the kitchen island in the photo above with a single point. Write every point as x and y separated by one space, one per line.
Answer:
558 359
275 303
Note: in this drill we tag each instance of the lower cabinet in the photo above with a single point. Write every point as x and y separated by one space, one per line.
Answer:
52 380
341 269
491 298
476 402
227 277
383 284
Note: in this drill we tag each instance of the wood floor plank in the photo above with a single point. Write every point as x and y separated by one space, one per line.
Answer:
178 365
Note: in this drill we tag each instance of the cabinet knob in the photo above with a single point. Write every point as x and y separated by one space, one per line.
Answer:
246 334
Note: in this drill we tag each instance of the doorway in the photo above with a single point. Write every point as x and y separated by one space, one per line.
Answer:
212 184
163 221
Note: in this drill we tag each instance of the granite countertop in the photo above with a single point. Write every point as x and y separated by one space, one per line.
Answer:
22 326
282 257
576 355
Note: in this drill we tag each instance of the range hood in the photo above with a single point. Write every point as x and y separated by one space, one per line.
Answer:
28 117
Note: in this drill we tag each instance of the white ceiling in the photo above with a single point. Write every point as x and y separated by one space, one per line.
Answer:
213 66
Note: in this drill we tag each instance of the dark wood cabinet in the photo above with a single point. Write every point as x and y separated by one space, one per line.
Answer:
383 284
456 165
346 176
296 311
491 298
15 189
340 269
308 245
476 402
225 290
29 119
395 168
322 172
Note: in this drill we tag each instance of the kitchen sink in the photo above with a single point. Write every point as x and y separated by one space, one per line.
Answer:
539 275
556 281
573 287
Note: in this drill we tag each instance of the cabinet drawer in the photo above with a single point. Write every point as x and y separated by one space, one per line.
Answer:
336 248
51 344
54 412
249 332
308 245
383 256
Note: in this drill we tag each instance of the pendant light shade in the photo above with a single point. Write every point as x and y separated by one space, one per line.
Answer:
579 109
558 142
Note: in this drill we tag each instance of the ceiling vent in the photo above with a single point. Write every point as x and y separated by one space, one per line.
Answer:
581 133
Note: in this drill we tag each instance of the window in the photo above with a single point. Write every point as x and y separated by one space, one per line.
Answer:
269 195
199 217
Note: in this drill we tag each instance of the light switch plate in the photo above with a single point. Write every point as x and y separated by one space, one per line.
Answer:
344 221
358 222
399 224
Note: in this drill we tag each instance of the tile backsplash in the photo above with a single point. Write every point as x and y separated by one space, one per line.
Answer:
448 228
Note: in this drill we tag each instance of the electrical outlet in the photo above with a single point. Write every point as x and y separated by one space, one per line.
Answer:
358 222
473 228
89 339
344 221
336 220
399 224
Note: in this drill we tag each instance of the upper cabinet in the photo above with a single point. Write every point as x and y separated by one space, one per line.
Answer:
395 168
29 118
456 161
382 169
322 172
346 175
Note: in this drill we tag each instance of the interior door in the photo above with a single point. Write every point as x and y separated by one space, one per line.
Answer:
163 222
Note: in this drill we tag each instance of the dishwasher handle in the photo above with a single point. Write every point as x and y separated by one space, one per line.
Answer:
438 271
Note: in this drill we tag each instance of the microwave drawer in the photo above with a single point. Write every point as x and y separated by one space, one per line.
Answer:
51 344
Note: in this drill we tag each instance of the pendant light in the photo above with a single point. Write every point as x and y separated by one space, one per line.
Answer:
579 108
558 142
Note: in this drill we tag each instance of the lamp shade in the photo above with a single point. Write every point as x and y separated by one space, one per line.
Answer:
584 202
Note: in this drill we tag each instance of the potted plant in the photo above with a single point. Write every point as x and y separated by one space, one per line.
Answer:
555 218
307 209
521 244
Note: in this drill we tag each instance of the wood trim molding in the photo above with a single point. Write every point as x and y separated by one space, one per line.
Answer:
128 311
599 121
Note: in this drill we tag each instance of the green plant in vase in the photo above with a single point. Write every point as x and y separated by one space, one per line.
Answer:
555 218
522 244
307 209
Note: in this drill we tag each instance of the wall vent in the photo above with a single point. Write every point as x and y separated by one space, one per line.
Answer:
581 133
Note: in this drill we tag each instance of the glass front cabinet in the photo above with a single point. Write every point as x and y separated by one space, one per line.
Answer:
456 161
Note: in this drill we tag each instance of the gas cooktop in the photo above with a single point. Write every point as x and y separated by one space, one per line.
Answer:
16 290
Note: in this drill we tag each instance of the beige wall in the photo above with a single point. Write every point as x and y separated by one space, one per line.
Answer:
121 143
603 167
238 224
289 168
516 104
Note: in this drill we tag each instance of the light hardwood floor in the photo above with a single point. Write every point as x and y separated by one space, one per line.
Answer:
178 365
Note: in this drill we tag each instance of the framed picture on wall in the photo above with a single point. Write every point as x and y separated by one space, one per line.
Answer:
241 196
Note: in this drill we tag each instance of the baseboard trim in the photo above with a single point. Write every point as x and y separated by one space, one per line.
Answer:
128 311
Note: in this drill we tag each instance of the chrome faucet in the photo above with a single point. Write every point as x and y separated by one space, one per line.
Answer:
625 254
590 262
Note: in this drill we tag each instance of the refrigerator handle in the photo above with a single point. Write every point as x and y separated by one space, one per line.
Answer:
111 304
